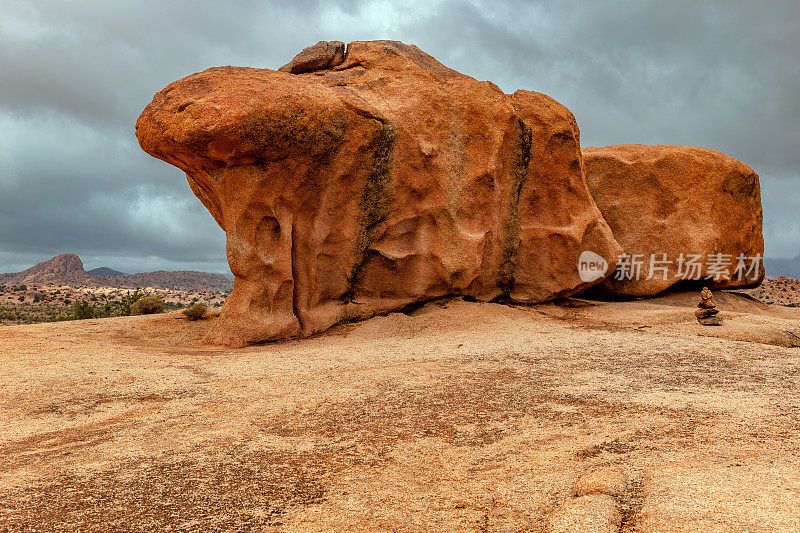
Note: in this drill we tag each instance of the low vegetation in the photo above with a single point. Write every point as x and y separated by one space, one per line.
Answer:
147 305
32 304
195 312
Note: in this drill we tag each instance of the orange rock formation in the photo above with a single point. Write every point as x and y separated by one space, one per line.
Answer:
355 184
665 201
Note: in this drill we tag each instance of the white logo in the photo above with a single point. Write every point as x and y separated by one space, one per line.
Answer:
591 266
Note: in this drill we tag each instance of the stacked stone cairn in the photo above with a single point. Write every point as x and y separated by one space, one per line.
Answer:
707 312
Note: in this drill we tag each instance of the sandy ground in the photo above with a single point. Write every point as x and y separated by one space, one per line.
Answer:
458 416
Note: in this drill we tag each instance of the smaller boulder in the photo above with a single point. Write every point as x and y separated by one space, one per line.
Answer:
681 213
323 55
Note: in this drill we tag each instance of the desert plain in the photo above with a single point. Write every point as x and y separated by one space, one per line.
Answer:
454 416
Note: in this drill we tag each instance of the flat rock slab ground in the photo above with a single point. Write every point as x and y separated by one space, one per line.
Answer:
457 416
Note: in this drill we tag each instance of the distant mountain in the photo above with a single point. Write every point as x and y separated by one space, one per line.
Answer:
182 280
783 267
68 269
64 268
105 271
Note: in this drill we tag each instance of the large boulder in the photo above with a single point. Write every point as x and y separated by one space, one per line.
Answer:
674 207
353 186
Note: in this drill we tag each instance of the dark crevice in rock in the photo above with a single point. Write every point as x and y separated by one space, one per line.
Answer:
295 266
519 173
344 65
374 203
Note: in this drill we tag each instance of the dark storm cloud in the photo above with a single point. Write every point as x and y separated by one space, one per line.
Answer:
723 75
75 75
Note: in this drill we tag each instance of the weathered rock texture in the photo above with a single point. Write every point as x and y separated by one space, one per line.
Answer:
387 180
677 200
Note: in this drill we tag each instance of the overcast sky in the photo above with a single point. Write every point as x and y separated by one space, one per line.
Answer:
74 76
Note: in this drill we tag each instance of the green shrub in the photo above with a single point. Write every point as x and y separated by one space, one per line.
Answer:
128 300
147 305
82 310
195 312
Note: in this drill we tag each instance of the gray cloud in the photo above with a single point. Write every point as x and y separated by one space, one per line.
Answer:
76 74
